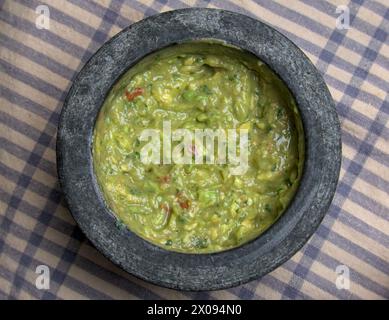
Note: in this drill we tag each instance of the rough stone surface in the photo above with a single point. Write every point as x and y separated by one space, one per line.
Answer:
199 271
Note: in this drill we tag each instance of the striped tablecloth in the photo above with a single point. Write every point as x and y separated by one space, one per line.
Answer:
37 67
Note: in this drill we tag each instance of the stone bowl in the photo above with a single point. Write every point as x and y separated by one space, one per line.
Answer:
199 271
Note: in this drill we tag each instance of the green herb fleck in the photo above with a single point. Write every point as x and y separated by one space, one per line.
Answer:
205 89
268 208
120 224
200 243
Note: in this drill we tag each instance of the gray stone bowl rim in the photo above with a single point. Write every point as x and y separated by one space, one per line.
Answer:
199 271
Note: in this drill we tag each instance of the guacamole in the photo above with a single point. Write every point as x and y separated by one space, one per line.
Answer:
198 207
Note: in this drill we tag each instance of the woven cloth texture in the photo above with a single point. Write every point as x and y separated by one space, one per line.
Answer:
37 67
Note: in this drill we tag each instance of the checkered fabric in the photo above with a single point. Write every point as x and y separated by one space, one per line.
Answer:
37 67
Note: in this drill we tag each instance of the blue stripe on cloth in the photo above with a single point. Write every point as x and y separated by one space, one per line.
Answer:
315 254
317 280
51 64
26 103
33 81
47 36
21 153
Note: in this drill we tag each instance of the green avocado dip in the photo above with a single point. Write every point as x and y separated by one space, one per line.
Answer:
198 207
